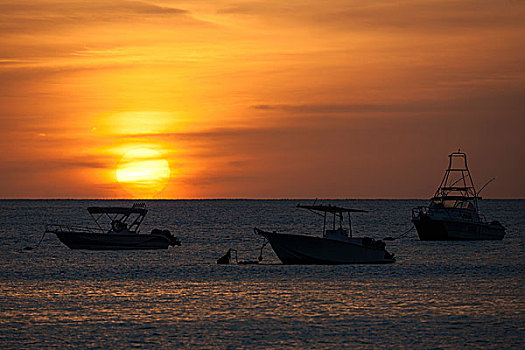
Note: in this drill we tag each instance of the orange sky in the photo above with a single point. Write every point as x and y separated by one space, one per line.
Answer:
261 99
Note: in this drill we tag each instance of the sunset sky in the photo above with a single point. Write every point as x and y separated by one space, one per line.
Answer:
259 99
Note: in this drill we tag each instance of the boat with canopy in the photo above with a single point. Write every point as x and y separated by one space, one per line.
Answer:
121 231
337 245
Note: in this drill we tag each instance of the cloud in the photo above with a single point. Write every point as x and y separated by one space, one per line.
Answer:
53 163
337 108
494 98
54 10
51 16
427 16
54 35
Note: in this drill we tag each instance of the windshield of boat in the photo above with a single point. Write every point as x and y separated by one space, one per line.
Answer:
459 204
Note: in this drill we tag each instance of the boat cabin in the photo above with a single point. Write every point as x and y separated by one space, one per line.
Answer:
455 202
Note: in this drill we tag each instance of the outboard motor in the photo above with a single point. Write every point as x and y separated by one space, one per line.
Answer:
171 238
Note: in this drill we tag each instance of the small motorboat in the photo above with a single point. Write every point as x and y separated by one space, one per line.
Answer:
122 232
453 213
336 246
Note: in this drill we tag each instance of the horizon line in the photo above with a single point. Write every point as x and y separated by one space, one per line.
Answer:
236 198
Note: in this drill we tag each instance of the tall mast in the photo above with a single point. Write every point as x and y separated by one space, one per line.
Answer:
457 181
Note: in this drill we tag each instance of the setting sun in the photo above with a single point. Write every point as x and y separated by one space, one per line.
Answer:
143 172
257 99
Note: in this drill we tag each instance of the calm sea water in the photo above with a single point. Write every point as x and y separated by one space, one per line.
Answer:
437 295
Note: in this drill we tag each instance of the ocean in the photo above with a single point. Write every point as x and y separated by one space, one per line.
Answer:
443 295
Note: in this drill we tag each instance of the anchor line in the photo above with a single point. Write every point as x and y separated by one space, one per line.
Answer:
236 251
401 235
254 249
260 258
39 242
41 239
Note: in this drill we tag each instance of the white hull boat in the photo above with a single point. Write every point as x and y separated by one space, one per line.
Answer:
336 246
301 249
121 234
114 241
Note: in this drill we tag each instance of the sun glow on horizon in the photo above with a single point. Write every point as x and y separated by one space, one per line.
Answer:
258 99
143 172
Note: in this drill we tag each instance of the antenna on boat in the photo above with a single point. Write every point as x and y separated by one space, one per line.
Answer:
458 180
485 185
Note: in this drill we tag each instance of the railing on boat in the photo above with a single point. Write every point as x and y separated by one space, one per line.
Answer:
72 228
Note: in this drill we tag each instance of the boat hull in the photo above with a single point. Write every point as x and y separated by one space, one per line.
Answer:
113 241
300 249
447 230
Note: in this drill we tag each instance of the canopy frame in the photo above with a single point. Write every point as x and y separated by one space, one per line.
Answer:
130 218
337 212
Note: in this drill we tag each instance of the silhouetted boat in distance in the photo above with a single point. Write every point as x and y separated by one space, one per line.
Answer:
336 246
122 232
453 212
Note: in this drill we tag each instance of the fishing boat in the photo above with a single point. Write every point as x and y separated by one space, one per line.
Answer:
121 233
453 212
336 246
